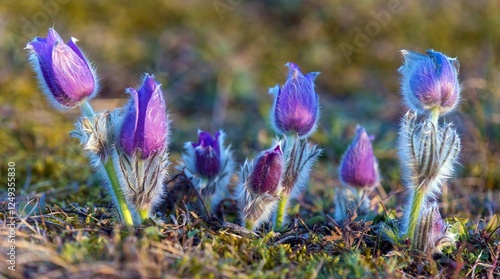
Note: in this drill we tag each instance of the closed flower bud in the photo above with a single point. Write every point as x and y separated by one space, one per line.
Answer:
266 174
64 74
359 167
209 165
145 126
207 155
431 233
296 107
430 82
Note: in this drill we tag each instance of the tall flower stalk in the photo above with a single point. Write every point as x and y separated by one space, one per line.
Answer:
428 150
294 117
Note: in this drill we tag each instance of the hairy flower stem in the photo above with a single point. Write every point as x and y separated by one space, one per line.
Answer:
280 213
289 152
87 109
121 206
434 116
249 225
143 212
419 197
416 208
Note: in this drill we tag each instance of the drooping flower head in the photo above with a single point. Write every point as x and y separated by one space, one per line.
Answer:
65 75
145 126
430 82
296 107
266 174
207 152
359 167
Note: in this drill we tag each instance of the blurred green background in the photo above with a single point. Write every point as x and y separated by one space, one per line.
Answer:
217 58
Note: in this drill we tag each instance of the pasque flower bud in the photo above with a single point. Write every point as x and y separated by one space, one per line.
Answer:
266 173
296 108
258 192
145 127
209 165
430 82
207 153
65 75
359 167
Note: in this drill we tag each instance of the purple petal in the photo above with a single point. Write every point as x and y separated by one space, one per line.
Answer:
145 126
207 161
71 73
63 73
296 106
127 137
358 166
266 174
152 127
424 84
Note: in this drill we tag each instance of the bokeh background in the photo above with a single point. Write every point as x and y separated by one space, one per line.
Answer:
216 60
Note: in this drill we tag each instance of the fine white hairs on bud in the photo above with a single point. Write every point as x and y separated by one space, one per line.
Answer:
255 208
299 156
211 177
428 153
431 234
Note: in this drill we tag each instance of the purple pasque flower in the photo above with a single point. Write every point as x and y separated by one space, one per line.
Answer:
430 82
145 126
65 75
296 107
359 167
266 173
207 154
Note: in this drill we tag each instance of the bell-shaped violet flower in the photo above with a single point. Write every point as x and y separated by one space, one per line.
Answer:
145 126
359 167
296 107
65 75
266 174
430 82
207 153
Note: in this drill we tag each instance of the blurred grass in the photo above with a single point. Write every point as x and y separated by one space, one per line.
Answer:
216 60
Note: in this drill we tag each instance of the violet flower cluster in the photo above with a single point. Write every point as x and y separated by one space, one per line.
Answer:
127 146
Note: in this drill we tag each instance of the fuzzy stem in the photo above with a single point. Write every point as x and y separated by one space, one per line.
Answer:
87 109
143 213
122 206
249 225
434 115
415 210
280 213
